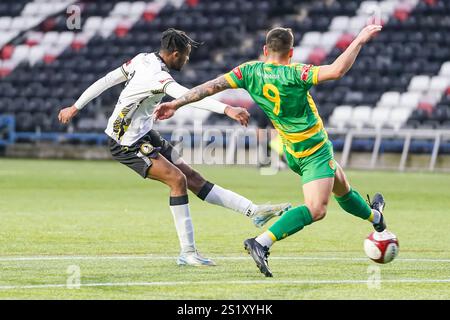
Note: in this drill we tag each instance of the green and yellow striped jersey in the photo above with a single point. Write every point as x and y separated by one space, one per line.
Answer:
282 91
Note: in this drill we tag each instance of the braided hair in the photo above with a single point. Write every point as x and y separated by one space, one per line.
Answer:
177 40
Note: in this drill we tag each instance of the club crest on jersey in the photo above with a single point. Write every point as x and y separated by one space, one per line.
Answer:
146 149
305 72
238 73
332 164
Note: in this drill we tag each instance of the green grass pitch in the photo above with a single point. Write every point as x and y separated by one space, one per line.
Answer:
101 220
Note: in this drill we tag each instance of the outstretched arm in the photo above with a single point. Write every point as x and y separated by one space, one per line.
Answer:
176 90
167 110
111 79
202 91
344 62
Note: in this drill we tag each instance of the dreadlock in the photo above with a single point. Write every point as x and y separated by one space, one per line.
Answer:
177 40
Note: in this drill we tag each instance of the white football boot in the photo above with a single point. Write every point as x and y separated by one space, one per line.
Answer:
194 258
265 212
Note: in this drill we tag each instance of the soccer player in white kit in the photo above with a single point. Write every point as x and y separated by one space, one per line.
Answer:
135 144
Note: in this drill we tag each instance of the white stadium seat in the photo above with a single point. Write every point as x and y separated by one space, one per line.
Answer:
7 36
445 70
93 24
311 39
339 23
9 64
84 37
46 9
50 38
439 84
154 7
387 7
398 117
18 23
419 84
32 22
35 36
137 8
361 116
122 9
5 23
432 97
380 116
329 39
36 54
357 23
409 100
341 116
20 53
389 99
31 9
368 8
66 38
109 25
301 54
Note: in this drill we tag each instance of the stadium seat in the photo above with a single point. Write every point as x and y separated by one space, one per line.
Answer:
341 116
93 24
301 54
419 84
439 84
20 53
409 100
445 70
340 23
36 54
380 116
311 39
398 117
5 23
329 39
356 24
361 116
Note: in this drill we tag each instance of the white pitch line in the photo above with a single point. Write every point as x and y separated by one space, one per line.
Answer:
216 282
131 257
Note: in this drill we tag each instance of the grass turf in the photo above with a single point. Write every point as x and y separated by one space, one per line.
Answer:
117 230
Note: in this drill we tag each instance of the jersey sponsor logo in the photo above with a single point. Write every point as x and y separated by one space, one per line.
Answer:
265 75
238 73
165 80
305 72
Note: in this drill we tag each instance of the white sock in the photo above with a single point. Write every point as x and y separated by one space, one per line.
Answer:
183 225
265 239
230 200
375 217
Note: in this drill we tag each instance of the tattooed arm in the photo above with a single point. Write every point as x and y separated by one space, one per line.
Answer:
202 91
167 110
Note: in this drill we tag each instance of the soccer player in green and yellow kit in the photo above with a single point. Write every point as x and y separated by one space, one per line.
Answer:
281 89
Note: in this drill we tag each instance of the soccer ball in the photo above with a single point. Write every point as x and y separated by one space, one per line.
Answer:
381 247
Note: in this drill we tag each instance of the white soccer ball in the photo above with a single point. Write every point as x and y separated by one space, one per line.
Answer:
381 247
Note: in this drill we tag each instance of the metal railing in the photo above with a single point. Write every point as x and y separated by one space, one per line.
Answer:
233 135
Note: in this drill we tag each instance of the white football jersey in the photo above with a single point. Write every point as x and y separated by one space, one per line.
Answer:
132 117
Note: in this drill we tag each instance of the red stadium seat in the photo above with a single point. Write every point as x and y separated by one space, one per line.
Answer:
7 52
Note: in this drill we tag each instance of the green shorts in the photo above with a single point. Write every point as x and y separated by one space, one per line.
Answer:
320 164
